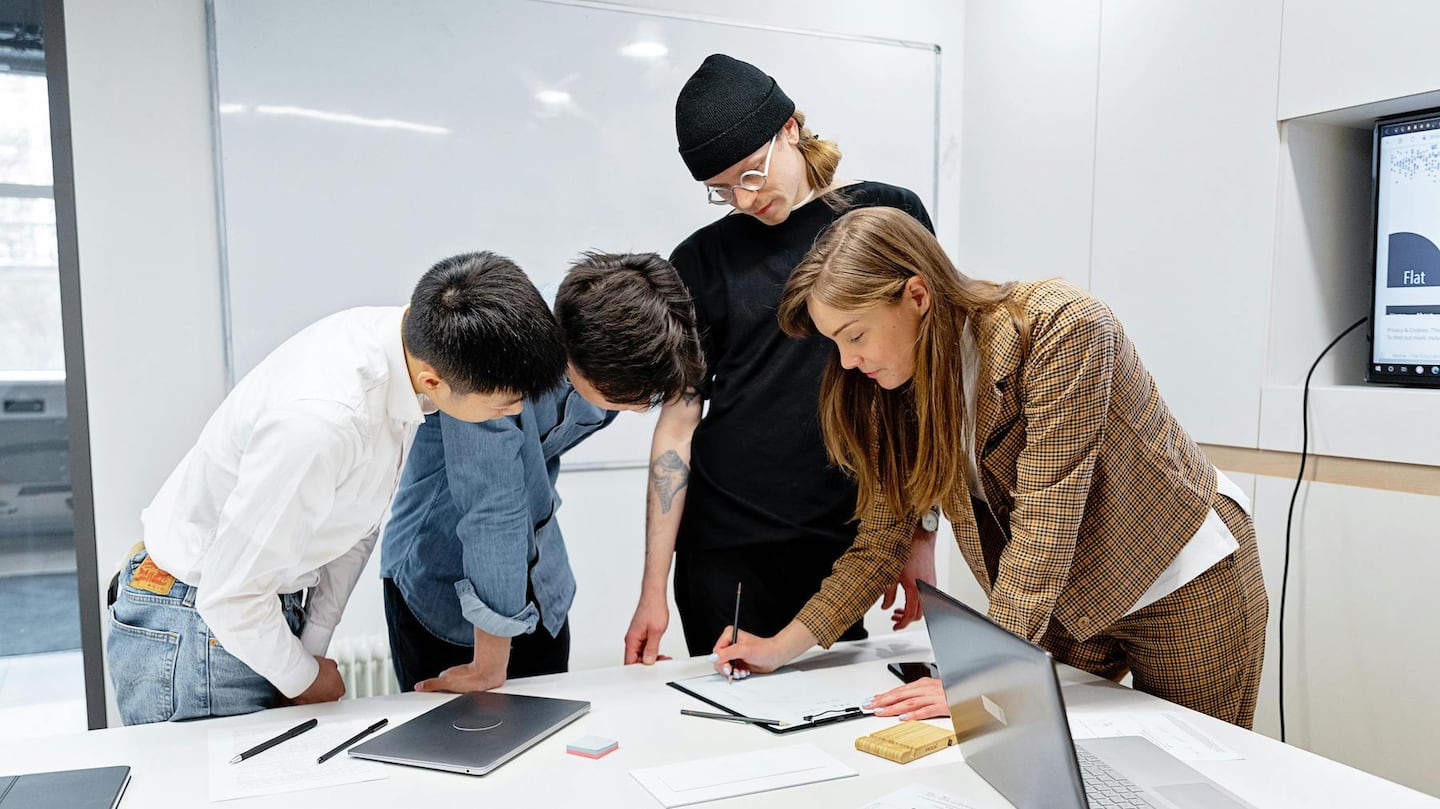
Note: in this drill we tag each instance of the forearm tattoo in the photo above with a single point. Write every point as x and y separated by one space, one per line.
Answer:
668 475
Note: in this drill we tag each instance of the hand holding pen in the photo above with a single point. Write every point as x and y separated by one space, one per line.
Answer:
729 640
748 653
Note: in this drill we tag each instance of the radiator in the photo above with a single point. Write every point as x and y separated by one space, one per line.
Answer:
365 666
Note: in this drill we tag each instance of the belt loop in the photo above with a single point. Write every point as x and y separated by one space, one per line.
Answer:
189 600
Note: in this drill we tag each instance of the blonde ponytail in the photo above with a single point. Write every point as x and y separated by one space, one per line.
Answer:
822 157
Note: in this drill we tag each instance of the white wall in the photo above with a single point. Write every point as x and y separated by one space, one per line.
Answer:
1340 53
149 264
1028 165
1076 125
148 248
1185 165
1233 248
1361 647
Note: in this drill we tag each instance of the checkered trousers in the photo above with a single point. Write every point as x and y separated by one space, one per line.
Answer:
1201 646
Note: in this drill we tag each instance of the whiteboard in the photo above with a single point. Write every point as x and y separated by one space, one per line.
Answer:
361 141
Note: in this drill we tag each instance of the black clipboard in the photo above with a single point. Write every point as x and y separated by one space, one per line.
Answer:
850 713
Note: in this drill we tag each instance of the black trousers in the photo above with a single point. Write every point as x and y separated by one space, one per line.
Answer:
777 578
419 655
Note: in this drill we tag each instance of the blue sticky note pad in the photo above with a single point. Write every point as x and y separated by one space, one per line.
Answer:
591 746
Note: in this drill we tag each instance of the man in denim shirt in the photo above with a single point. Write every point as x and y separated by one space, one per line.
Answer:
477 583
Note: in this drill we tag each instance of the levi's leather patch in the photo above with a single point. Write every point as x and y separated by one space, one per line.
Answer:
152 579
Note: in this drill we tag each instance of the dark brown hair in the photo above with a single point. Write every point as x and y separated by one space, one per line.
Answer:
630 327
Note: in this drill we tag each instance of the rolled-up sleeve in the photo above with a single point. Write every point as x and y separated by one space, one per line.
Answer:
327 599
484 464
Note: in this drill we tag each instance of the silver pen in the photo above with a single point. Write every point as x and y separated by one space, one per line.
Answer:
730 717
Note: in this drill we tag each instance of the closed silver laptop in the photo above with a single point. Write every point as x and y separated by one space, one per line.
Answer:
473 733
1007 689
92 788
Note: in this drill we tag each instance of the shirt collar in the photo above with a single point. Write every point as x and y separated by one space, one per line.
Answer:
402 403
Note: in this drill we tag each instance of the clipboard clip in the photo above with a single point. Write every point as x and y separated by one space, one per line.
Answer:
838 713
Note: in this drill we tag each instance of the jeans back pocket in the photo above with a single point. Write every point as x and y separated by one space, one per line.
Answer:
142 668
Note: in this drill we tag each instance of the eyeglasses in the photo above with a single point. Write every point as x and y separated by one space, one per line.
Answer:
751 180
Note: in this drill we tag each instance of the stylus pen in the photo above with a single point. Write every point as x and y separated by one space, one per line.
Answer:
734 633
269 743
353 739
729 717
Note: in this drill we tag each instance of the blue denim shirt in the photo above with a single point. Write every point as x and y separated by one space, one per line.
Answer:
473 522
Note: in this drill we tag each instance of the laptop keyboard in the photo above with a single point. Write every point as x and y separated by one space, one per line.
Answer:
1107 789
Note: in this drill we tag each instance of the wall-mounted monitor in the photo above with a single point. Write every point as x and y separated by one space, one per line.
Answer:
1405 304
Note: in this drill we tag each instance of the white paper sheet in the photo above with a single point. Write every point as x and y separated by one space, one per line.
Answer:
289 766
918 796
1168 730
711 779
788 695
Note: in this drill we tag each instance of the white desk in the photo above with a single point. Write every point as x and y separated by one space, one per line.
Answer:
632 704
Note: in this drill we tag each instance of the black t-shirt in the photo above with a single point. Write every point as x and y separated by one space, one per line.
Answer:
758 471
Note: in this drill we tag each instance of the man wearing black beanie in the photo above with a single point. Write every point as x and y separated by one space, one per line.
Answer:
745 495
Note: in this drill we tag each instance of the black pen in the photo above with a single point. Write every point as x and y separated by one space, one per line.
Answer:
734 632
353 739
266 745
728 717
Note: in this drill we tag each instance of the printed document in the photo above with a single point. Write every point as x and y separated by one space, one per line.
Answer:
290 765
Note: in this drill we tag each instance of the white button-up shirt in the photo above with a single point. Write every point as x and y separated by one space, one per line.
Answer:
286 489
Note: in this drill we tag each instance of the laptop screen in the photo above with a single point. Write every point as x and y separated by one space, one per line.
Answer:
1005 702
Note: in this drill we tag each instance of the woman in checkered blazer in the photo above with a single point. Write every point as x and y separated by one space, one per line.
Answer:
1091 519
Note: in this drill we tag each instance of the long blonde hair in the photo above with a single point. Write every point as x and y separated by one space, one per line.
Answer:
906 444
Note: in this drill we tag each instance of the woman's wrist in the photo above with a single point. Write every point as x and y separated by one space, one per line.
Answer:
796 639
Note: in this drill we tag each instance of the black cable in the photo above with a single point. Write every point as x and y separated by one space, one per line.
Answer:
1290 515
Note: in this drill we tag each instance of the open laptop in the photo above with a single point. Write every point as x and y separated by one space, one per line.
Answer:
1022 745
473 733
93 788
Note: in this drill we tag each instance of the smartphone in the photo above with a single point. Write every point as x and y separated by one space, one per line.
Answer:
910 672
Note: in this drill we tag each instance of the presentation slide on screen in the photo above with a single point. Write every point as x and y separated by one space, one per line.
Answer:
1407 258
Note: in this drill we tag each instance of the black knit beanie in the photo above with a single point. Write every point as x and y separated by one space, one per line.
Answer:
725 111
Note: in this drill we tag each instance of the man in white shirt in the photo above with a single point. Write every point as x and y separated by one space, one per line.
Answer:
253 544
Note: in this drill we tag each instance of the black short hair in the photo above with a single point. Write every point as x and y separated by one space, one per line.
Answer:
480 323
629 326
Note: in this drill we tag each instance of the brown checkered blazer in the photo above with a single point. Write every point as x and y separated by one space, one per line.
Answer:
1100 485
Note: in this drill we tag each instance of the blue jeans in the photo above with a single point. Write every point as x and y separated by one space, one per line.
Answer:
165 663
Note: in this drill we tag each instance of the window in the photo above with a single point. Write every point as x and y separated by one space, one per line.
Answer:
30 338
